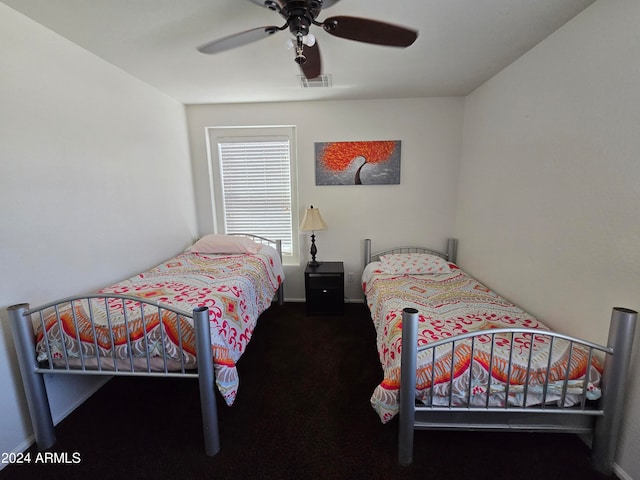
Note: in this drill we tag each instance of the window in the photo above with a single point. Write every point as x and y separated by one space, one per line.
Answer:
252 182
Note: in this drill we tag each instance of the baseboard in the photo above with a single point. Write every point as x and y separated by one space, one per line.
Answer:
620 473
21 447
30 440
302 300
354 300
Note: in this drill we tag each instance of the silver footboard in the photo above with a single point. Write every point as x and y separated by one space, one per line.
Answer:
147 355
600 419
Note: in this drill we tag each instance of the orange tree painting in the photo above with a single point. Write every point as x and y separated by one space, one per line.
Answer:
358 163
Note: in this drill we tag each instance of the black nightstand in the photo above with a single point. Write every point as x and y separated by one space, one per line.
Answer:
324 288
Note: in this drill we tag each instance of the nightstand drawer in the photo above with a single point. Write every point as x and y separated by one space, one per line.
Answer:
325 302
325 295
325 280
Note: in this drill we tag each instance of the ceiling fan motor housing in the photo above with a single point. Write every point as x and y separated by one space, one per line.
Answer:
299 25
300 15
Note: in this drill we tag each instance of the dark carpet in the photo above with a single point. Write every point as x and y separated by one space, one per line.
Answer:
302 412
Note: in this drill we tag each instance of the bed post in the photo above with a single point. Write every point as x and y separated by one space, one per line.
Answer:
367 251
452 250
206 381
34 388
407 412
614 379
281 286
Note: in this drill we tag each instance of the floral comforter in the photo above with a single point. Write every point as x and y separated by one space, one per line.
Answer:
236 288
454 303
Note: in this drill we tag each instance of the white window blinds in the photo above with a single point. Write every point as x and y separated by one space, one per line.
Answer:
256 188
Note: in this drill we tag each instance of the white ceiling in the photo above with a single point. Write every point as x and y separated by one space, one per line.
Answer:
461 44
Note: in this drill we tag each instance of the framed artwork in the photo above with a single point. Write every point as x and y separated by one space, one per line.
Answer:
358 163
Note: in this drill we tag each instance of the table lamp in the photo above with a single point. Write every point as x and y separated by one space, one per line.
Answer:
311 222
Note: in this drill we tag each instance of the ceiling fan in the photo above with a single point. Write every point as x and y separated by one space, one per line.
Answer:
299 15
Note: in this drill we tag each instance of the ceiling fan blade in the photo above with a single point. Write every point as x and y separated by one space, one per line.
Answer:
237 39
312 67
328 3
370 31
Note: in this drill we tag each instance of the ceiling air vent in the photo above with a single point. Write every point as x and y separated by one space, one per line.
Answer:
319 81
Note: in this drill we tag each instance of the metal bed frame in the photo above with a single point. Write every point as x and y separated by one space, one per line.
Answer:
600 420
33 371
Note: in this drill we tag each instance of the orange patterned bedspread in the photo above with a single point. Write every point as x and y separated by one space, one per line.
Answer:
236 288
454 303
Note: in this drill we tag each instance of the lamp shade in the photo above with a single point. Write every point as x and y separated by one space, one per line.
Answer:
312 220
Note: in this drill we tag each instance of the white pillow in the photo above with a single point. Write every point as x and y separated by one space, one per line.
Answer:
414 263
217 243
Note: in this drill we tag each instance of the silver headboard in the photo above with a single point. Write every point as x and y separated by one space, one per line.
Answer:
450 255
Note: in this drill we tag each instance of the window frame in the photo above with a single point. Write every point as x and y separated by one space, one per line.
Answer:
215 135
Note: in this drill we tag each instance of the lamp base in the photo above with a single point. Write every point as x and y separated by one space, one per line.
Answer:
313 251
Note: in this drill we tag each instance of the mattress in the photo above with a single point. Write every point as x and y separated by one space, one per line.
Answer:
236 288
496 370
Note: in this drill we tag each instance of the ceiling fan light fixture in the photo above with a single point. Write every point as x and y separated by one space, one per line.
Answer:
309 40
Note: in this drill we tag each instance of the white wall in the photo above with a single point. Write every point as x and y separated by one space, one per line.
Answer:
549 205
95 185
420 209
